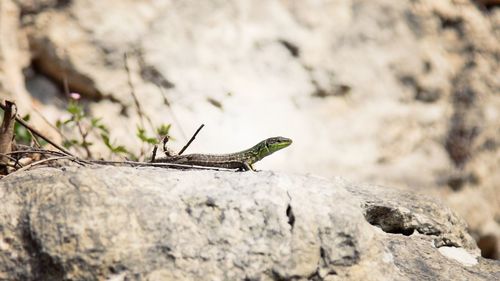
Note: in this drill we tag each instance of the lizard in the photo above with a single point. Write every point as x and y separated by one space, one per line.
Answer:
242 160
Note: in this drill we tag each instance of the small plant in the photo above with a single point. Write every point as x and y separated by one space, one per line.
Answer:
22 135
80 121
141 134
163 130
86 126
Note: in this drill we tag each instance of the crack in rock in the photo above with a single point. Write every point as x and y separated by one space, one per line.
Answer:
291 216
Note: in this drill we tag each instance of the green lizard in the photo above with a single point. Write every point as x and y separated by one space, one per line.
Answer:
242 160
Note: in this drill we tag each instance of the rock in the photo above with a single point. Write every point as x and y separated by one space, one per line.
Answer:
111 223
371 90
15 60
37 6
14 55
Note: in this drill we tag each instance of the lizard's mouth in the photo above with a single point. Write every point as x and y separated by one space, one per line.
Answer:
286 142
280 143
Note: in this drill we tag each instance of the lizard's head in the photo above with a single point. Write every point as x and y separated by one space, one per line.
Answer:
271 145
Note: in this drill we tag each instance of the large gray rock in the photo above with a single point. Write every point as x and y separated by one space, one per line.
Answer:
367 89
110 223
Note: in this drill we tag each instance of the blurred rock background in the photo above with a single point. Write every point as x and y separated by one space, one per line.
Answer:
398 93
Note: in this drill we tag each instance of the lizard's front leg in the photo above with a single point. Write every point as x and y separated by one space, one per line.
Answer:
247 166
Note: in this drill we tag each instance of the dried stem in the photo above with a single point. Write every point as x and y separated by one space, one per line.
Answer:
7 133
41 162
36 132
192 139
16 161
84 138
153 154
34 139
162 165
48 123
39 151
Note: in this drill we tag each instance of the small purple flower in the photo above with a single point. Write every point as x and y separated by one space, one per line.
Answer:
75 96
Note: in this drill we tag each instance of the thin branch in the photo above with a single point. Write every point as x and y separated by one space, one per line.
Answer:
8 165
49 123
164 146
84 138
39 151
164 141
167 151
38 163
162 165
34 139
36 132
16 161
153 154
114 163
191 140
47 152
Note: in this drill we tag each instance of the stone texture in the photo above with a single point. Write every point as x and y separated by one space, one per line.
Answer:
110 223
402 93
14 54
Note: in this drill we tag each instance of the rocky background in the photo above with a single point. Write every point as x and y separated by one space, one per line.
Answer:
399 93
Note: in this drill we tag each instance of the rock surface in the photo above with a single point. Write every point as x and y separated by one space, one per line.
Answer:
401 93
110 223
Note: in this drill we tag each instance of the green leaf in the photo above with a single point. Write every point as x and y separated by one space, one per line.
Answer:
69 143
141 134
76 110
105 139
73 108
95 121
132 157
21 134
114 149
96 124
120 149
103 128
86 144
163 129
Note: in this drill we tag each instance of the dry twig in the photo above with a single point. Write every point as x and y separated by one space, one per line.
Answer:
16 161
7 133
161 165
192 139
37 133
38 163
